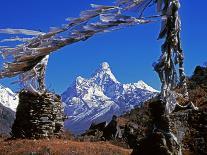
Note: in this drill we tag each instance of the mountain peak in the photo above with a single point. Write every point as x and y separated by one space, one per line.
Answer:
79 80
103 74
105 66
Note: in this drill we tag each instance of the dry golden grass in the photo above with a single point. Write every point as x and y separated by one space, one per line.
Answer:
59 147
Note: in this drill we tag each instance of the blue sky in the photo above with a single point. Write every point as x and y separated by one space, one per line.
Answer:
130 51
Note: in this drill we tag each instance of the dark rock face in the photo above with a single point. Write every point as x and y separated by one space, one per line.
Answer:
7 117
38 116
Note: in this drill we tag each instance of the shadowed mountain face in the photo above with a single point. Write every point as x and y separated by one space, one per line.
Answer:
7 117
100 97
8 105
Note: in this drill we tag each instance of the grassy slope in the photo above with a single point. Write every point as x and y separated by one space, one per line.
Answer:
57 146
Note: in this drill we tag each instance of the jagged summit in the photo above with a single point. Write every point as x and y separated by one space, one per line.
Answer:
104 74
105 66
100 97
79 80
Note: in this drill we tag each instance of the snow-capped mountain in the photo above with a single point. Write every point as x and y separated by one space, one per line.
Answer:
8 98
99 98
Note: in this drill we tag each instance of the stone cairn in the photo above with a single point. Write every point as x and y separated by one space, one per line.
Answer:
159 139
38 116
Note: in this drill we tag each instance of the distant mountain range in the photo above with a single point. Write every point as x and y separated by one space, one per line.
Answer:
90 100
100 97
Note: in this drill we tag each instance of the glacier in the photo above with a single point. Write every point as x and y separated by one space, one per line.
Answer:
98 98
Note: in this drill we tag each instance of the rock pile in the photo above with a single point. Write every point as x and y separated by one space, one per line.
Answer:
160 139
38 116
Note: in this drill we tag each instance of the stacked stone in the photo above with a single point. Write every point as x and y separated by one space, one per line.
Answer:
38 115
160 139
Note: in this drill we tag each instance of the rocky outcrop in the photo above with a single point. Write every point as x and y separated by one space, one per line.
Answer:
38 116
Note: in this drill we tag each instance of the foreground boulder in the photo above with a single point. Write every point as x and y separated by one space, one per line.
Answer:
38 115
